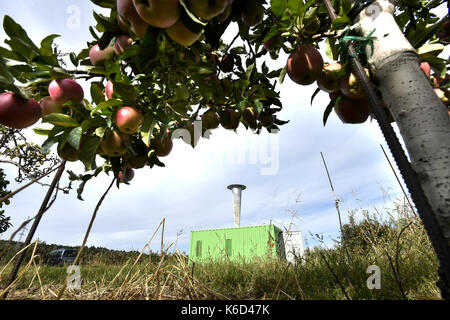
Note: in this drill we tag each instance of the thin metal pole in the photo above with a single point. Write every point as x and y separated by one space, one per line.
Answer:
336 204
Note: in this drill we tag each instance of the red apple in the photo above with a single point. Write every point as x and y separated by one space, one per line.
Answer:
17 112
98 56
129 120
128 176
68 153
137 162
266 119
272 43
250 115
158 13
163 144
253 13
226 63
425 66
129 19
49 105
230 119
444 33
226 13
210 120
304 65
63 90
329 79
121 43
352 111
109 89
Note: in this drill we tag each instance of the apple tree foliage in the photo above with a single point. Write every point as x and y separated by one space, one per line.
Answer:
27 157
4 220
173 85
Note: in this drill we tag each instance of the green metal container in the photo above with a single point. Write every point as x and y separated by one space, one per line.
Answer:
237 244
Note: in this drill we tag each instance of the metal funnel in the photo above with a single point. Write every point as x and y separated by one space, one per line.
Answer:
236 189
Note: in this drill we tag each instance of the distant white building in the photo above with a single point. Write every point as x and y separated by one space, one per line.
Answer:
293 244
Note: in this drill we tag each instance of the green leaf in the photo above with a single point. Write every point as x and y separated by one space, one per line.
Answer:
329 108
278 7
74 138
60 119
19 41
15 31
282 74
331 48
48 144
88 153
110 4
241 105
106 104
314 95
107 25
125 91
431 49
249 71
46 44
147 129
437 64
295 6
258 105
41 131
5 74
59 73
74 59
191 15
97 92
340 22
10 55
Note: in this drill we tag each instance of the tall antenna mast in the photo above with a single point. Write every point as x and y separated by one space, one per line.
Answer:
336 204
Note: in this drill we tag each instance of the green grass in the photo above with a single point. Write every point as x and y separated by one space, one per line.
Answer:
396 242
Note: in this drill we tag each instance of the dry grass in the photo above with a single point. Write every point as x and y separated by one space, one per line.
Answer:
397 244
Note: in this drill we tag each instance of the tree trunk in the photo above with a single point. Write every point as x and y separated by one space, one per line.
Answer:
420 115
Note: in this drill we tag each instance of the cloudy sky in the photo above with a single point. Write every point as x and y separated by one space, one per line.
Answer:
284 174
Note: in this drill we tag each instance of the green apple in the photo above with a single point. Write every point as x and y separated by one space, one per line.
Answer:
181 34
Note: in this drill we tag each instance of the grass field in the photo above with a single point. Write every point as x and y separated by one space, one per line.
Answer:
394 241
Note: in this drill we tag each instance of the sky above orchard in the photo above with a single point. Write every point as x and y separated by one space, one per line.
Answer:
284 173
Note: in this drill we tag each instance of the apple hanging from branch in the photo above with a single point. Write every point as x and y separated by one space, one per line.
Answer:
158 13
17 112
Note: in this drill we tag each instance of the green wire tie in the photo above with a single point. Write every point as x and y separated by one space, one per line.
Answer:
361 42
